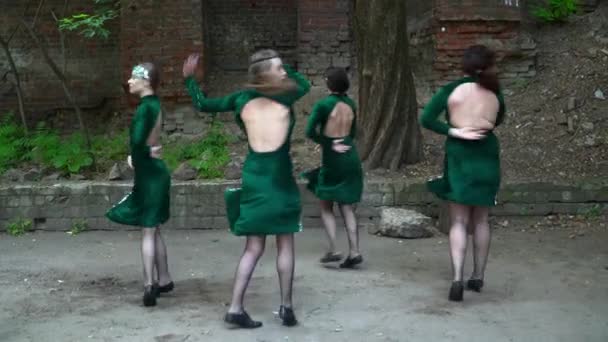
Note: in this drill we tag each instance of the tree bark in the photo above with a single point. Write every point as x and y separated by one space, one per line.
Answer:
388 131
11 63
62 80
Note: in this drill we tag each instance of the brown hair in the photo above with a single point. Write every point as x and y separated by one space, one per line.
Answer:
477 62
337 79
153 74
259 64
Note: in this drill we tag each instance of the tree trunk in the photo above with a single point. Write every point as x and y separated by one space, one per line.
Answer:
11 63
62 79
388 132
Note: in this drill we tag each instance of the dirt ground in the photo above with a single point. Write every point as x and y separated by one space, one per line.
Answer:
546 281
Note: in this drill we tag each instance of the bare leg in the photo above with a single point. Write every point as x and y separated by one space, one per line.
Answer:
459 220
350 221
329 222
148 253
162 267
285 268
481 241
148 258
254 249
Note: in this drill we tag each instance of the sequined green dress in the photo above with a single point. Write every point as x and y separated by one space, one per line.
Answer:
147 205
268 201
340 177
471 170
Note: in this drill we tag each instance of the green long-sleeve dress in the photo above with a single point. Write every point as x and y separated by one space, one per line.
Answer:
268 201
471 170
340 177
147 205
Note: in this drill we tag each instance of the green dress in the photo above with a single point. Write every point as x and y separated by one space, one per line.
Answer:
471 171
268 201
147 205
340 177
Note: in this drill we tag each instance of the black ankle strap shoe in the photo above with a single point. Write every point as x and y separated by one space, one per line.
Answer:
241 320
288 317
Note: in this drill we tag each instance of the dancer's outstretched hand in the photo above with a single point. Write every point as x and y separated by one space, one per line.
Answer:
190 65
130 162
339 147
468 133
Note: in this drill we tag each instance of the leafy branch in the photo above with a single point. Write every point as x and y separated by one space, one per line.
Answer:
94 24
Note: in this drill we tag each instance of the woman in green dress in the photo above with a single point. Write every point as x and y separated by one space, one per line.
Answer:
268 202
340 177
474 106
147 205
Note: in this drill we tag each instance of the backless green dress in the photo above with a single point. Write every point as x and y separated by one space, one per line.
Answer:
147 205
471 170
268 201
340 177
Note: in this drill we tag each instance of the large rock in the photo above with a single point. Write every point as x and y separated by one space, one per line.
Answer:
13 175
52 177
77 177
233 170
114 173
184 172
403 223
32 175
120 172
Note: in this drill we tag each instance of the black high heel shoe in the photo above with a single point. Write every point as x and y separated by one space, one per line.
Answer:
150 294
475 284
331 257
350 262
456 291
288 317
166 288
241 320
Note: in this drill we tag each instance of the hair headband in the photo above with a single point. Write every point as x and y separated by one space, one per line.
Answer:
140 72
264 59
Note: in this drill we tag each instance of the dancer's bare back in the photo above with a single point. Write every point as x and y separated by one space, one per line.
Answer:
267 124
473 106
339 121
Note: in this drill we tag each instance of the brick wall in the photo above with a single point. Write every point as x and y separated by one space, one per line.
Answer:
92 66
237 28
165 32
458 24
324 36
313 34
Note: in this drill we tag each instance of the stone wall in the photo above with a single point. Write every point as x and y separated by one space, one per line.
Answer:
200 205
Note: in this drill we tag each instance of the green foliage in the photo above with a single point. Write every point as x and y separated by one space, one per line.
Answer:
107 149
591 213
12 143
208 156
78 227
91 25
556 11
19 227
520 84
68 156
